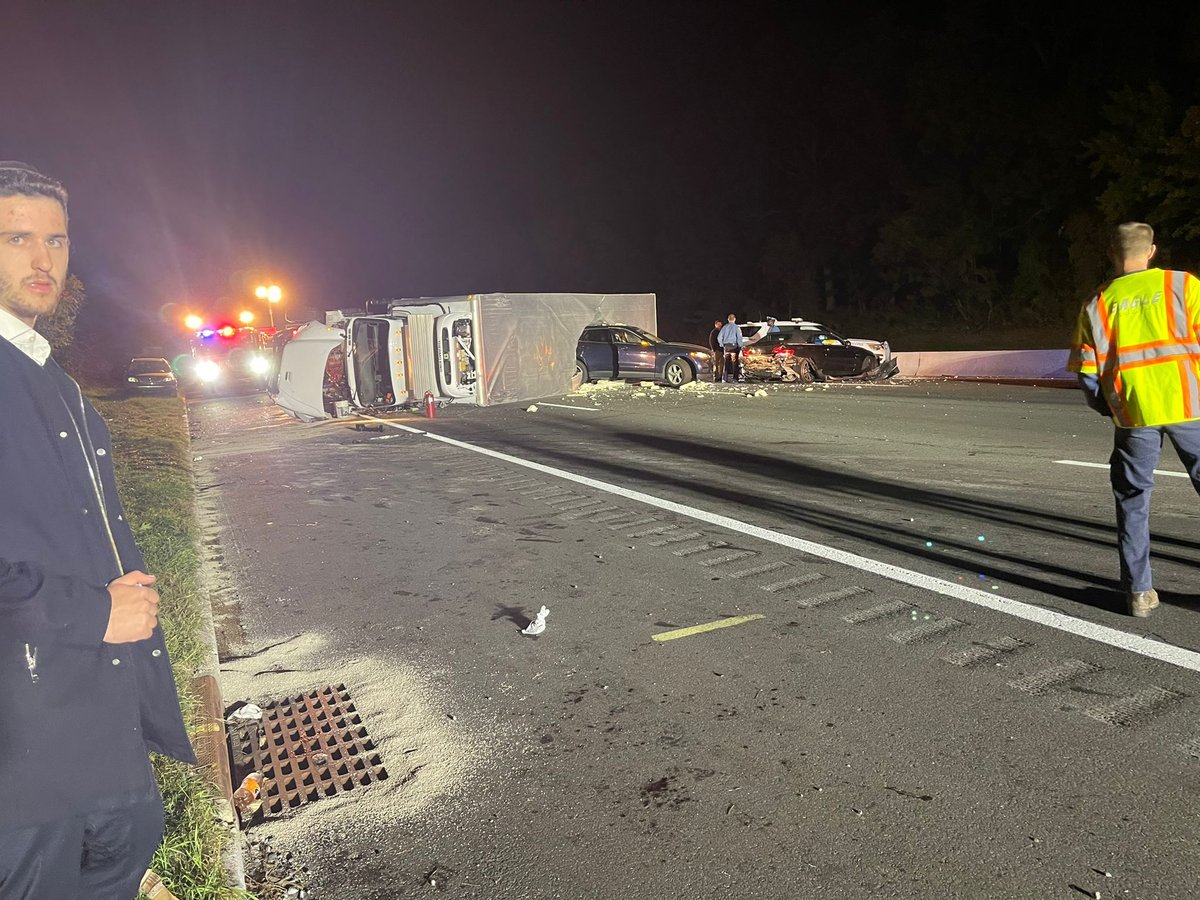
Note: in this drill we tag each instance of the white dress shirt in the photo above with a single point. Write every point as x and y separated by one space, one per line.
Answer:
24 338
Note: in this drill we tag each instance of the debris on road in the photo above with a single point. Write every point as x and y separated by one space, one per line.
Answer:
248 713
531 408
272 875
248 797
538 625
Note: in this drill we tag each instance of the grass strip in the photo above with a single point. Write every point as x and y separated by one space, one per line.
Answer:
152 454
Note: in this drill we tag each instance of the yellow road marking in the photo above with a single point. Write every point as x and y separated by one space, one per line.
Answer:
707 626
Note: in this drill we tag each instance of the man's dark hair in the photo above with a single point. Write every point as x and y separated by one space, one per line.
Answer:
18 179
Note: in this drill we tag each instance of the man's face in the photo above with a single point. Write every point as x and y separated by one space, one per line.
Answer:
33 255
718 323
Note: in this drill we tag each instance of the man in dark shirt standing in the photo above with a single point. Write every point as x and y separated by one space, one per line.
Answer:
86 688
718 355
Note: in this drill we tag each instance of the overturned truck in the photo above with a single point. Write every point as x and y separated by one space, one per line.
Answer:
479 348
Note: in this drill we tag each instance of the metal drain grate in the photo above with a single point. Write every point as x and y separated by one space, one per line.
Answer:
308 747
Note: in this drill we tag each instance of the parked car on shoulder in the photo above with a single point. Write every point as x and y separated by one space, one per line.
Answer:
828 354
626 352
151 375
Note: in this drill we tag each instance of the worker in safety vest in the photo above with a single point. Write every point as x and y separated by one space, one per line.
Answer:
1137 352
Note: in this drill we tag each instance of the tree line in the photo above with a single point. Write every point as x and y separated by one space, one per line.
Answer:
976 185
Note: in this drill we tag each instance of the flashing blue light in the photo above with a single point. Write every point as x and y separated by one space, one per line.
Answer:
207 333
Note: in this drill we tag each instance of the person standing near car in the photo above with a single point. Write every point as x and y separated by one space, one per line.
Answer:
718 354
731 340
1137 353
86 688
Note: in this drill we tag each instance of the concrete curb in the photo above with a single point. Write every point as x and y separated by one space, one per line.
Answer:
210 743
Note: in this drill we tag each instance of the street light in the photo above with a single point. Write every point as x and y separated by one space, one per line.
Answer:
193 322
245 317
272 293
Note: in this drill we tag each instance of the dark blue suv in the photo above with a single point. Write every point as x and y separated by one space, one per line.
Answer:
629 352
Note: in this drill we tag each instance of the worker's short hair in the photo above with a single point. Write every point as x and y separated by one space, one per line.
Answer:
18 179
1132 239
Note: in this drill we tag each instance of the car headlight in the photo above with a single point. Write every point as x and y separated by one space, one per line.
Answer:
258 365
697 354
207 370
131 378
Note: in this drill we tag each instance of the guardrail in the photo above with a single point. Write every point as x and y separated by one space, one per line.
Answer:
1020 364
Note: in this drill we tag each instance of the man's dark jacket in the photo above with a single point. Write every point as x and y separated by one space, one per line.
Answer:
79 736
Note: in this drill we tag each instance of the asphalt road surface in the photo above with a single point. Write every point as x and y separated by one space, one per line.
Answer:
923 683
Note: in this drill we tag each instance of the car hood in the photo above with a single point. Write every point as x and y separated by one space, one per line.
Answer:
685 348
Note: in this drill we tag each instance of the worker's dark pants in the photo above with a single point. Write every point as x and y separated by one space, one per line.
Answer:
718 361
1131 468
733 364
100 855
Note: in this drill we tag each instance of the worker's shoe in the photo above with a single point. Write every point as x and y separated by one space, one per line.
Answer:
1142 602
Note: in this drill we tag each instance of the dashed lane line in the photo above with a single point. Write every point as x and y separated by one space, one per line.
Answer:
1103 634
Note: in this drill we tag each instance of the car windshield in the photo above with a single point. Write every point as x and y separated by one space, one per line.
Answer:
145 366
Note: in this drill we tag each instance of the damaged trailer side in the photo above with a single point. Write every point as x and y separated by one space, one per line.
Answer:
485 349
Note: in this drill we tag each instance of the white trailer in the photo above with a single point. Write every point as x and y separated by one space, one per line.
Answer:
479 348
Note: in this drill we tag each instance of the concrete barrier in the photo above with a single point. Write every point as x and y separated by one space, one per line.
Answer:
1022 364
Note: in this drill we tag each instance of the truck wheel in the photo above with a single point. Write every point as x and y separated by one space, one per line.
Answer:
677 373
580 378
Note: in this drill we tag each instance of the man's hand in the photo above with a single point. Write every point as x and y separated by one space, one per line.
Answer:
134 608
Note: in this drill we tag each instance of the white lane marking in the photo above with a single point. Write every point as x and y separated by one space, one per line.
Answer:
1090 465
569 406
1123 640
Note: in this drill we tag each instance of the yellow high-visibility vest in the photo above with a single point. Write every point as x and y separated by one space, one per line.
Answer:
1141 335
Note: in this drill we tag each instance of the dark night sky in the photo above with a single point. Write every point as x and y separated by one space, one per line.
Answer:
359 150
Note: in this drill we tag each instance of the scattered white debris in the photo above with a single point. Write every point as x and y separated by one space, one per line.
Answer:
807 389
760 393
532 408
637 394
247 713
597 388
538 625
697 386
647 384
